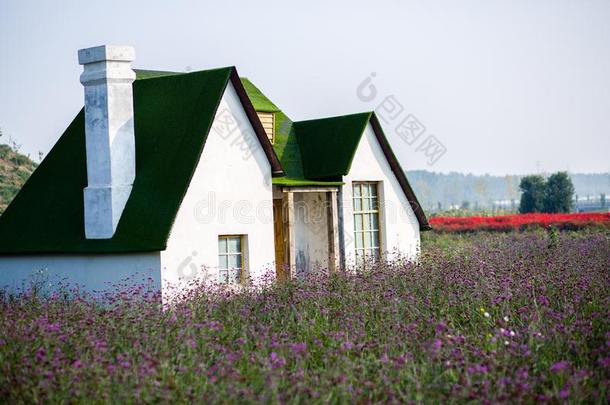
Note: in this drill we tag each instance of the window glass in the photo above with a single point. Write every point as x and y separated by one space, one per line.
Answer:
234 245
222 245
230 259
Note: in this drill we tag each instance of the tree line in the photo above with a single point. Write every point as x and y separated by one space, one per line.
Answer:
552 195
445 191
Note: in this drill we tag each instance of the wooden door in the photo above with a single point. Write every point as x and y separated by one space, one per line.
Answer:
278 232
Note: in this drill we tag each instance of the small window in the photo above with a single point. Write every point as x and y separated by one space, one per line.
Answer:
230 259
366 221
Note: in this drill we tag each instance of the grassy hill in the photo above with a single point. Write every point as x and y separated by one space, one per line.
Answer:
15 169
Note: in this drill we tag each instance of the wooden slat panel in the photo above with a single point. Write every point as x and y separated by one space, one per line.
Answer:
267 119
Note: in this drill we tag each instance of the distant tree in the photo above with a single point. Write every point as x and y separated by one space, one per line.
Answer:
602 200
465 205
532 194
558 193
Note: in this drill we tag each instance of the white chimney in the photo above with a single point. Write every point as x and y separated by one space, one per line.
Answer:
109 131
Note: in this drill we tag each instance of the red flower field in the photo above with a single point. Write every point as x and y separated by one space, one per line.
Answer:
520 222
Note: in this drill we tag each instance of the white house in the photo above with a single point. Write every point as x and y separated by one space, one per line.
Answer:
172 177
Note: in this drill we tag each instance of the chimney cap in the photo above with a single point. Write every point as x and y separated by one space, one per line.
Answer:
102 53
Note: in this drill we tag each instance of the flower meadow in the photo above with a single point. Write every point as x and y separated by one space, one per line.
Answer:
574 221
493 317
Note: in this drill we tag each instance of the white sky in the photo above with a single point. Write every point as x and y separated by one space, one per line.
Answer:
504 85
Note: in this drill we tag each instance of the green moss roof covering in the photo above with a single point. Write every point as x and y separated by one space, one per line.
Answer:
259 100
152 74
173 114
287 148
328 145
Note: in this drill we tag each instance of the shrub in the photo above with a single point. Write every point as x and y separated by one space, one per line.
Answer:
532 194
558 193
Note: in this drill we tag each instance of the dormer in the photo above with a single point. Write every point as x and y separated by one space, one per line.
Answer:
265 109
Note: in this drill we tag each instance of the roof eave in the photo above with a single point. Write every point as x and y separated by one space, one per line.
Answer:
424 225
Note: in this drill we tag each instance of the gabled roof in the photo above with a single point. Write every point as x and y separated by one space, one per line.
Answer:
320 151
328 145
173 114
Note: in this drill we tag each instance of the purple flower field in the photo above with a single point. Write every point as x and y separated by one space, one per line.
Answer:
517 317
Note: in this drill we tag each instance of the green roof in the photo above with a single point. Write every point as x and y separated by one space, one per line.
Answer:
287 148
259 100
173 114
153 74
328 145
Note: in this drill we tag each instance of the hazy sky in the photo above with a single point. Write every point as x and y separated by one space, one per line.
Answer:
505 86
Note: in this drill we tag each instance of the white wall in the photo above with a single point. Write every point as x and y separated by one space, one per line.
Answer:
230 194
91 273
399 226
311 231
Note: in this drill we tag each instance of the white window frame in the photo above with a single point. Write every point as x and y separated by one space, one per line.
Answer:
230 271
367 220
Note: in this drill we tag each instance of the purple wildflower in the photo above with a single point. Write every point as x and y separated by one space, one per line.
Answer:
298 348
276 361
559 366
